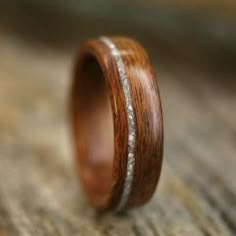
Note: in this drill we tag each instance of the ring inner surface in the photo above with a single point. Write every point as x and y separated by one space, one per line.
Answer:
94 131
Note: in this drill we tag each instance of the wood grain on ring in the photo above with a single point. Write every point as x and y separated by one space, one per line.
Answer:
105 192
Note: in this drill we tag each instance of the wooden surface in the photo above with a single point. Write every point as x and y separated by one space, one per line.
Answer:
39 191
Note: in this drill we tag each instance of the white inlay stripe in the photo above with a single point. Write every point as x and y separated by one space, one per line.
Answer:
130 118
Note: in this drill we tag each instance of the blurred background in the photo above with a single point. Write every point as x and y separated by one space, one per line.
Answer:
192 45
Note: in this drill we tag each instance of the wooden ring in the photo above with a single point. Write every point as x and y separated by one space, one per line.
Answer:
117 123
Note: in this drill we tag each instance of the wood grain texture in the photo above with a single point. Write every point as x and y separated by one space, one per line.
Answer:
149 121
39 191
98 49
106 193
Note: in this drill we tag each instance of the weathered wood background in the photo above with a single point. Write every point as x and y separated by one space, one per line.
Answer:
39 191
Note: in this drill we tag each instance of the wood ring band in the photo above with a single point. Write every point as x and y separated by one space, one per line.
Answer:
117 123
